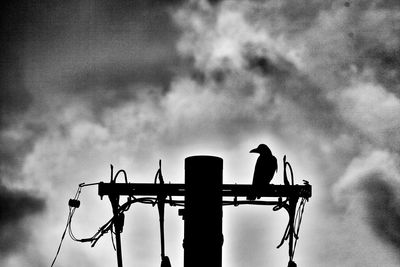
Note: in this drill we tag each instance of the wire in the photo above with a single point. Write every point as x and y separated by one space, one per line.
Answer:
125 176
62 239
298 219
296 227
67 226
108 226
112 239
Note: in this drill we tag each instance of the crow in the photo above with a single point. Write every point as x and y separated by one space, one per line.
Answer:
266 166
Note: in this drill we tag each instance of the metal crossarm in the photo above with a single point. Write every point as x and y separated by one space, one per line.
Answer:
241 190
228 190
141 189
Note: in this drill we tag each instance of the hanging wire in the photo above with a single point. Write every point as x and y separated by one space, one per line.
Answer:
69 218
108 225
298 219
296 226
112 239
293 226
74 204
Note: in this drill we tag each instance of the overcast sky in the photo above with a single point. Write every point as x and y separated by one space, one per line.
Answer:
85 84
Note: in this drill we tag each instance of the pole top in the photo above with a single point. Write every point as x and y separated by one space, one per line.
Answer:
203 158
203 162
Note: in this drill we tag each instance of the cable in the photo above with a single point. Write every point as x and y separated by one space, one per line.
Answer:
62 239
70 214
125 176
108 226
298 219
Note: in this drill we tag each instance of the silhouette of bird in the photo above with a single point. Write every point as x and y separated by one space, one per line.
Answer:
266 166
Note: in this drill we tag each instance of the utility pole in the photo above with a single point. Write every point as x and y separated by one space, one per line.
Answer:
204 191
203 212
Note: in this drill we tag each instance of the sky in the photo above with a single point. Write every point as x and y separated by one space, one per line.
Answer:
85 84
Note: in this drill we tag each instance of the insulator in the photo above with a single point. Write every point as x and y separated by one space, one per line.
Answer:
74 203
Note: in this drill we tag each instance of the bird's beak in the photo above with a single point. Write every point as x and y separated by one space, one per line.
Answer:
254 150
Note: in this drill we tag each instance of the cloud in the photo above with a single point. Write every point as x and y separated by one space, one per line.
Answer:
127 84
64 64
382 207
16 207
372 180
371 109
325 92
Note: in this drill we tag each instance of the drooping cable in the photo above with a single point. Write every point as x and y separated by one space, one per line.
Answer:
295 215
62 239
118 212
165 262
298 219
73 204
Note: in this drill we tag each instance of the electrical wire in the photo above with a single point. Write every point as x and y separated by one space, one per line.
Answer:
108 226
296 227
125 176
70 214
298 219
62 239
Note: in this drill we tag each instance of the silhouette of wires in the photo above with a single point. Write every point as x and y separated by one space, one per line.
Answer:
73 204
109 226
297 222
105 228
161 194
295 215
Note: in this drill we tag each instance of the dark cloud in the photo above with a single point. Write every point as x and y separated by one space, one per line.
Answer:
14 96
303 12
13 148
29 27
113 85
15 101
290 83
264 65
33 31
386 64
16 207
389 4
382 204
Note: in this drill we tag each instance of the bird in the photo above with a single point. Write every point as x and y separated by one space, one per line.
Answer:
264 171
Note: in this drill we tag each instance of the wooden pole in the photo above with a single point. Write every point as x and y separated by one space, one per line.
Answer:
203 212
117 227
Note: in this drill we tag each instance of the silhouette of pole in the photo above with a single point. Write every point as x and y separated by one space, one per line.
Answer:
118 224
203 212
119 249
161 212
292 214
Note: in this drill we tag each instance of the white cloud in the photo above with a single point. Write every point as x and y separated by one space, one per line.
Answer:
372 110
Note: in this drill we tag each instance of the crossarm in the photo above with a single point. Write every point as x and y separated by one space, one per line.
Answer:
234 190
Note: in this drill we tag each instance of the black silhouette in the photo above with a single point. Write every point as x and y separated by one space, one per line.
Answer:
203 194
266 166
165 262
